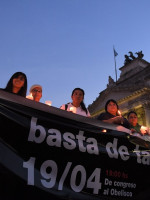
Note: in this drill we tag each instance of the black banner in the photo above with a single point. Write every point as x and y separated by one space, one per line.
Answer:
48 153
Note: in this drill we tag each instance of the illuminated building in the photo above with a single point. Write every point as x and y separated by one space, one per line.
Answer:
131 91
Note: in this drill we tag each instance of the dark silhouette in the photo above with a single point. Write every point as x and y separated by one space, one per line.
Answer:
127 60
140 54
131 55
11 84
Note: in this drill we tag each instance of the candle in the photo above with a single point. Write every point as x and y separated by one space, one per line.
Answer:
119 113
72 109
48 102
143 129
30 96
120 116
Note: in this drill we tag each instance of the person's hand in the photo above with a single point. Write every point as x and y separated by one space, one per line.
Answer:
133 130
117 120
145 133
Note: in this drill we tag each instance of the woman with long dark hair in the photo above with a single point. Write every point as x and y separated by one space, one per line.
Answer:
77 105
17 84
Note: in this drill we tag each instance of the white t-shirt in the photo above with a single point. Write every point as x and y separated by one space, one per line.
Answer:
77 110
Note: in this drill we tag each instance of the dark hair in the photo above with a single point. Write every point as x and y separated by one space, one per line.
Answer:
109 102
9 87
82 103
78 89
131 113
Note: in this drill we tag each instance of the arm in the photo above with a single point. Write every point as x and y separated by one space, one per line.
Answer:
114 120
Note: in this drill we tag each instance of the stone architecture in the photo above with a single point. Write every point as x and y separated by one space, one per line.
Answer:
131 91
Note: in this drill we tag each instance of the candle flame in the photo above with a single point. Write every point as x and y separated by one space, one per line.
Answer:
104 130
49 103
143 129
119 112
30 96
71 108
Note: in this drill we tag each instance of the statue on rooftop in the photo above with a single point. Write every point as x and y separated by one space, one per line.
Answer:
131 55
140 54
127 60
110 81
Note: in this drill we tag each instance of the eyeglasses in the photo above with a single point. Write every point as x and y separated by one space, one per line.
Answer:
35 90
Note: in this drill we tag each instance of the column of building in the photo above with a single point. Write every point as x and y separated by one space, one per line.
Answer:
146 107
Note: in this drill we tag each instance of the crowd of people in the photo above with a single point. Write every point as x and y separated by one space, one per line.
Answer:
17 84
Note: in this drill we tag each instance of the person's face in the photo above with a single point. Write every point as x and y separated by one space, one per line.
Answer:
37 93
19 81
77 96
133 120
112 108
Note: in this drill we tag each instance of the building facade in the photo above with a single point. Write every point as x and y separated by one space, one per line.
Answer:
131 91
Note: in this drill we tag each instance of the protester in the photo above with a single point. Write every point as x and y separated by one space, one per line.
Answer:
77 105
133 120
36 92
112 115
17 84
134 125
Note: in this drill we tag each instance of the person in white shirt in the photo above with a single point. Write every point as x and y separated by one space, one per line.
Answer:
77 105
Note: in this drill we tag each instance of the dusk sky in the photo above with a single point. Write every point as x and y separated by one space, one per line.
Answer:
63 44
